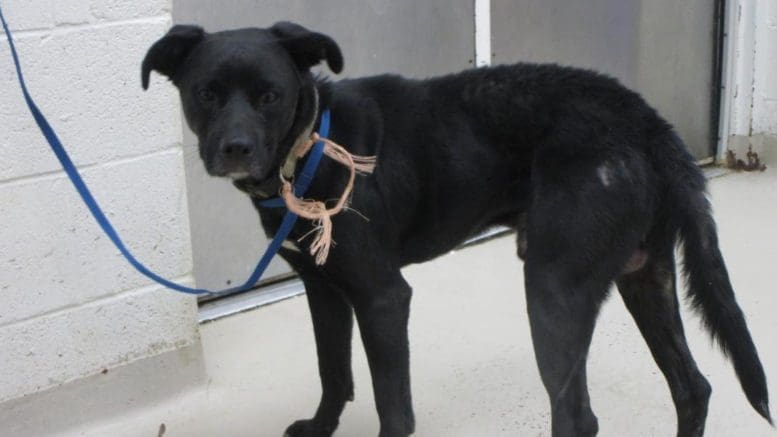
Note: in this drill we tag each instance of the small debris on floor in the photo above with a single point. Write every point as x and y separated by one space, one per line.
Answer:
162 429
105 371
753 161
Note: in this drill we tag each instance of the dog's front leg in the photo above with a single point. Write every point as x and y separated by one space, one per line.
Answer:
332 317
382 314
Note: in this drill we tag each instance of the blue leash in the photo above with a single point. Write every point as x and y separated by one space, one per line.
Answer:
301 185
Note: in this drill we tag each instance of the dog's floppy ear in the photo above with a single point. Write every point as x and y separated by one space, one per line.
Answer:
308 48
167 54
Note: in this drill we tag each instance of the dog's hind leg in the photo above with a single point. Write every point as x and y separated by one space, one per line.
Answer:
563 296
332 317
650 296
580 234
562 317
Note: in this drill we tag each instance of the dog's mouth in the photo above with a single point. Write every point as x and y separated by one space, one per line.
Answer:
266 188
255 186
238 175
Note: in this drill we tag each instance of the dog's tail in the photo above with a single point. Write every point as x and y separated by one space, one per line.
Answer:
709 288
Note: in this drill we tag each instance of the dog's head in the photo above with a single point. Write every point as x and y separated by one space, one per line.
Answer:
247 94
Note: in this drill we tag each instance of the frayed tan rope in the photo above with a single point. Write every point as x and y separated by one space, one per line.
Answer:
316 210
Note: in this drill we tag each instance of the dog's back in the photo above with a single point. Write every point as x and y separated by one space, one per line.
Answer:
457 152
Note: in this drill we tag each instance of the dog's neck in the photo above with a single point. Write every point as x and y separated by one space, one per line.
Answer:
290 163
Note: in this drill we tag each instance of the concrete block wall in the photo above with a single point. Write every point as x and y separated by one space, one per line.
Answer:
764 119
70 305
752 114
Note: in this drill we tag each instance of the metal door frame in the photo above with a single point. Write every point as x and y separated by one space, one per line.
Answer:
718 130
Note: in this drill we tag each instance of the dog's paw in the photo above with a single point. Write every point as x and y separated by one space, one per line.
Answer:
309 428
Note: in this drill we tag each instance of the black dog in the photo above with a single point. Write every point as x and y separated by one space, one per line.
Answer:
599 187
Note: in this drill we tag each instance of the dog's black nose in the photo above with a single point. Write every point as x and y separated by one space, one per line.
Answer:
237 147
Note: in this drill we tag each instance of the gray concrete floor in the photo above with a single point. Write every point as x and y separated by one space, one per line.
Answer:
473 369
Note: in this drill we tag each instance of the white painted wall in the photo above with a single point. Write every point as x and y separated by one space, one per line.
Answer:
764 119
70 305
750 99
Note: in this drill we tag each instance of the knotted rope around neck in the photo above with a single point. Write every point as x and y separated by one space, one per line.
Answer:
316 210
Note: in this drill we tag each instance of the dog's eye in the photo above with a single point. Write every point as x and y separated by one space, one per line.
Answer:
205 95
268 97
